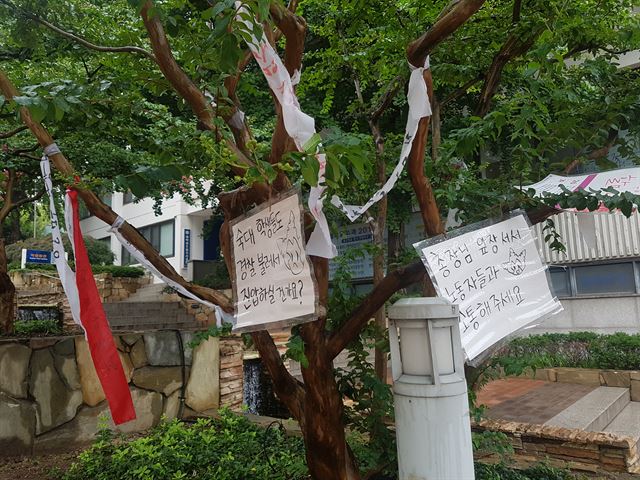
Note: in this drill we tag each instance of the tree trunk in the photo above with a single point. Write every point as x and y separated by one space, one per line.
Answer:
7 295
328 456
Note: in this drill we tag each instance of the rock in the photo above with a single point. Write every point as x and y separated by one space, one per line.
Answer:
159 379
172 406
65 347
581 376
92 392
138 354
83 428
68 371
162 349
14 366
635 390
55 402
37 343
203 387
130 339
78 432
187 338
17 425
148 407
613 378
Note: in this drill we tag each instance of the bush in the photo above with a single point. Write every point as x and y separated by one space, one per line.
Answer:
228 448
619 351
114 270
99 252
33 327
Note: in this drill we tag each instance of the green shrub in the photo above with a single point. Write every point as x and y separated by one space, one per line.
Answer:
229 448
619 351
114 270
32 327
538 472
99 252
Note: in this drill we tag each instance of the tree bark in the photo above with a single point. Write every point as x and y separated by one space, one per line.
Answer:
7 294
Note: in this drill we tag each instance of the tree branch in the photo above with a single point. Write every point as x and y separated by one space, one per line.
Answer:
387 97
461 91
179 80
594 154
394 281
7 204
454 16
513 47
13 132
76 38
294 29
33 198
105 213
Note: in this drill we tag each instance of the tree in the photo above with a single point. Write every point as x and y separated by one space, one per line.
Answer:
197 62
17 188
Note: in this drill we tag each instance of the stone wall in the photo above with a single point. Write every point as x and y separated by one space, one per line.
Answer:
592 376
588 452
51 399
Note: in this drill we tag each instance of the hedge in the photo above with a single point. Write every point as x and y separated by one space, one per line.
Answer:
116 271
620 351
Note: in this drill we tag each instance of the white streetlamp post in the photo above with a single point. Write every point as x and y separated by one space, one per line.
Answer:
433 429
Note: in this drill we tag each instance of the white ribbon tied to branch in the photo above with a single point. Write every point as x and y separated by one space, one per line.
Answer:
419 107
299 126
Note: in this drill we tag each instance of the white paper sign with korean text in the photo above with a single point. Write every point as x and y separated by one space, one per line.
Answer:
497 278
273 280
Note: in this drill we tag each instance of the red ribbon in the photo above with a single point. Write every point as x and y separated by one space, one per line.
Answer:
101 344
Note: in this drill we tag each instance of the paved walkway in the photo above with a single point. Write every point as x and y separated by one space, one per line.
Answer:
530 401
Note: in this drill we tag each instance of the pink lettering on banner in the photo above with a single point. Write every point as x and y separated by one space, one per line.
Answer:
586 182
619 182
261 54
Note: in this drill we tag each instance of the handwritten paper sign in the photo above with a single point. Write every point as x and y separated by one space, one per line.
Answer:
496 277
273 283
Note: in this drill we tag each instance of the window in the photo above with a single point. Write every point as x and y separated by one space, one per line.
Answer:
606 278
106 241
160 235
560 281
595 279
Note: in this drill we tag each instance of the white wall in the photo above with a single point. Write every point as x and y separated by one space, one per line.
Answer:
600 315
141 214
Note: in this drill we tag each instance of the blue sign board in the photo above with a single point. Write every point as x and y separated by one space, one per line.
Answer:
187 248
38 256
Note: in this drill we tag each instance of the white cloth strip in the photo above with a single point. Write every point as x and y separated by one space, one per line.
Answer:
67 276
221 315
419 107
299 126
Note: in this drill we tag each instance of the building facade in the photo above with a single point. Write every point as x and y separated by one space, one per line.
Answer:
186 235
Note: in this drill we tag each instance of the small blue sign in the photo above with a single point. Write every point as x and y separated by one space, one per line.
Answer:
38 256
187 248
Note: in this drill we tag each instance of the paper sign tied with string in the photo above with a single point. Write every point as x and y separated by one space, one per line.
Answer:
495 275
273 280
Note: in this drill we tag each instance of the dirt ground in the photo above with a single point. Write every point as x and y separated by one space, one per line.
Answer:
43 467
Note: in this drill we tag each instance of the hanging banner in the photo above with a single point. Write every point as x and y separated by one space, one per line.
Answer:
495 275
622 180
299 126
273 283
86 305
419 107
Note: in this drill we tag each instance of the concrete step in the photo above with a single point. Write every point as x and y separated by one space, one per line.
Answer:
594 411
627 422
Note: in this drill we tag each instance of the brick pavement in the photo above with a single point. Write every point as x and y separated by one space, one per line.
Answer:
529 401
